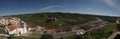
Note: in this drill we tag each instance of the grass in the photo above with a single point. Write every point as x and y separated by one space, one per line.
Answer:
2 30
20 37
102 33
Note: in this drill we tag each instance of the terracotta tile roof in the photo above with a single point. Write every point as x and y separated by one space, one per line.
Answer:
13 27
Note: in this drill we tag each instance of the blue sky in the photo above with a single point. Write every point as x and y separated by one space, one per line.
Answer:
99 7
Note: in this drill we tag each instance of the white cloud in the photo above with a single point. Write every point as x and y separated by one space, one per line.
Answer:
49 7
112 3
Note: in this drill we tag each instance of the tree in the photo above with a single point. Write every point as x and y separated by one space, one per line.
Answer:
11 36
78 37
46 36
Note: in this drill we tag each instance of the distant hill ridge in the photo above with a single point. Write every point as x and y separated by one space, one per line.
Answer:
62 18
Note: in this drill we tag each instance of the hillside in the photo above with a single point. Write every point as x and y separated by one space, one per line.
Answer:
59 19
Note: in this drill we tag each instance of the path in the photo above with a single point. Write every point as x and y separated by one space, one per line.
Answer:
113 35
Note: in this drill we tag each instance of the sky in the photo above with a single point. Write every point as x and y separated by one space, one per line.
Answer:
97 7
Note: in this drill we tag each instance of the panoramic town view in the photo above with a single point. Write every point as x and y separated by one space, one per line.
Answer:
59 19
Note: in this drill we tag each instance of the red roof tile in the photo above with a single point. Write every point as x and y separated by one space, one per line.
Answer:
13 27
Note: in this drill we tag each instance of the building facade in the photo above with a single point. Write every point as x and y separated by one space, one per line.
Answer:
118 25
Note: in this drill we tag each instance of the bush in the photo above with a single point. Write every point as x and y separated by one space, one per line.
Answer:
46 36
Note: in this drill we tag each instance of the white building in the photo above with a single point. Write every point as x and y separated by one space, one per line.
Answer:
16 29
11 20
80 32
4 22
14 21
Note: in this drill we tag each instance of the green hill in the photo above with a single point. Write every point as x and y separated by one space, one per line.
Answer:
59 19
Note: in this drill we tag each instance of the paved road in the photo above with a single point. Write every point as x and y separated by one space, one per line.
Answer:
65 34
113 35
4 35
